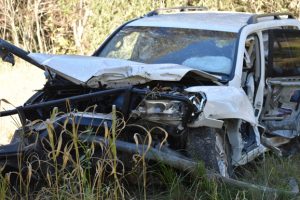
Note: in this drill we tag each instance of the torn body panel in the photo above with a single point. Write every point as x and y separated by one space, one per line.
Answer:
220 104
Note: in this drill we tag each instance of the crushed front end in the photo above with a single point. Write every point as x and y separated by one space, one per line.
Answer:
162 112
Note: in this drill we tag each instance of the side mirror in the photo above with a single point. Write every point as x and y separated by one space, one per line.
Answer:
7 56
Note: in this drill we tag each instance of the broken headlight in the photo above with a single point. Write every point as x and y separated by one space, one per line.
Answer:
157 110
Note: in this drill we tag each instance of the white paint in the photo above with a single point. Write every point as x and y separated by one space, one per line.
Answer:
112 72
226 102
205 20
254 28
202 120
251 155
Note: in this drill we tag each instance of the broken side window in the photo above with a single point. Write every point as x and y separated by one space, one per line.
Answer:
284 53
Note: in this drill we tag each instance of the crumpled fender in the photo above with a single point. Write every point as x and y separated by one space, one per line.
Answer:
226 102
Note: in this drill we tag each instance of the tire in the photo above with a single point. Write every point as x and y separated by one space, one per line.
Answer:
212 147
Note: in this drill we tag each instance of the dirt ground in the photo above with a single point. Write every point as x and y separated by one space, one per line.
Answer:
17 84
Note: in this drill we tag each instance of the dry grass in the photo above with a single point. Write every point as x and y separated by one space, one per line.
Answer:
79 26
17 85
70 26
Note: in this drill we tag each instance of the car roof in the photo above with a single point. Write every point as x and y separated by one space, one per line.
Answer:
206 20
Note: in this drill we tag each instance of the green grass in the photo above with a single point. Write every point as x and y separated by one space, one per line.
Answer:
67 172
272 171
76 170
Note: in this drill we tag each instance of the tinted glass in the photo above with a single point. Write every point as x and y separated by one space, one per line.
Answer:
284 56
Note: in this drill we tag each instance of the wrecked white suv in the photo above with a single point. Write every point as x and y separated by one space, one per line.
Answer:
220 87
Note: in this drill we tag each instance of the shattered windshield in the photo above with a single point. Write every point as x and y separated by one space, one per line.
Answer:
210 51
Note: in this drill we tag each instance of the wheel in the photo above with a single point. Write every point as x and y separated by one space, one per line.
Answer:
212 147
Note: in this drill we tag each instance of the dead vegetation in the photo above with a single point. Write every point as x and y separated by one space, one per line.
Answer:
79 26
79 169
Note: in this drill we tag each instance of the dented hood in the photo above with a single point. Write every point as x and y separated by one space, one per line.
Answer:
93 71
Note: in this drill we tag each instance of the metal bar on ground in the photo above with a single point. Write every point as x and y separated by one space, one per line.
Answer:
180 163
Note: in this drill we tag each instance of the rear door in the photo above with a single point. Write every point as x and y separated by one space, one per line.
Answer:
281 107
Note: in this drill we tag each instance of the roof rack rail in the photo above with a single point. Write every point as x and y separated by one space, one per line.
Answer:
175 10
254 19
